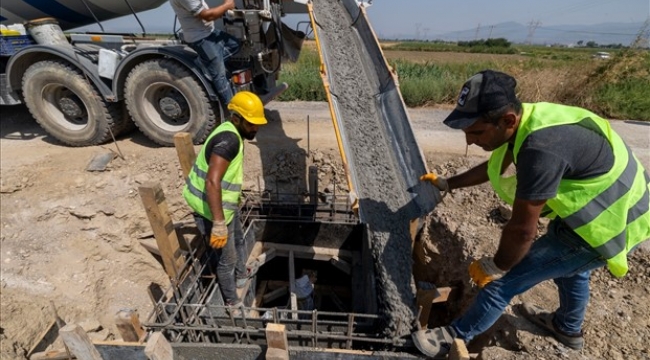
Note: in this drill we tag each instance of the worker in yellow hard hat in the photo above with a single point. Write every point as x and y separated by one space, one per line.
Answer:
213 189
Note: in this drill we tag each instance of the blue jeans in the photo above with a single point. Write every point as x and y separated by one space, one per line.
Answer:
560 255
230 259
214 50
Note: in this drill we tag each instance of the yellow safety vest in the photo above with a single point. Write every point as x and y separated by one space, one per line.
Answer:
194 191
609 211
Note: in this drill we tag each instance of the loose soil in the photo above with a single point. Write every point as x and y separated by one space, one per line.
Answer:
70 237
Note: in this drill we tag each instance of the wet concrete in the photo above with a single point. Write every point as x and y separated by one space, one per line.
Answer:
383 157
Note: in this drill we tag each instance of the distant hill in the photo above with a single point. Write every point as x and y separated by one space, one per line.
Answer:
603 34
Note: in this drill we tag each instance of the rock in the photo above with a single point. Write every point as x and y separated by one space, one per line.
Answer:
108 211
82 213
91 325
505 211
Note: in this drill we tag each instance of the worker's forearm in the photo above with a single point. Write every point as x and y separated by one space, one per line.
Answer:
213 192
514 245
216 12
474 176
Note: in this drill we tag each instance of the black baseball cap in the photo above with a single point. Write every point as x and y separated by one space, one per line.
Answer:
485 91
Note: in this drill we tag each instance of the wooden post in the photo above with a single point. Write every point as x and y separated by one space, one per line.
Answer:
276 339
76 339
185 151
155 205
128 324
158 348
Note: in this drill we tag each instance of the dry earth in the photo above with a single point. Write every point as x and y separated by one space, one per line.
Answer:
69 237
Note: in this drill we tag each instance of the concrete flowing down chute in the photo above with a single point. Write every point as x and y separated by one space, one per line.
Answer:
378 147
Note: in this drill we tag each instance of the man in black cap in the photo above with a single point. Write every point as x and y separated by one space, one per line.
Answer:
572 167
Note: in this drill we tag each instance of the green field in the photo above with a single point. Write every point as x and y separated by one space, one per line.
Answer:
431 74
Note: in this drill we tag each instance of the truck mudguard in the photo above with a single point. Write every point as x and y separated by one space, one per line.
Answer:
180 53
24 58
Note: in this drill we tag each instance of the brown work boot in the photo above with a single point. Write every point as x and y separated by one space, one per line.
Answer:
544 319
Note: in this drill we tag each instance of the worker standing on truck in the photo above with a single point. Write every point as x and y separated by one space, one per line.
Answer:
212 45
572 167
213 190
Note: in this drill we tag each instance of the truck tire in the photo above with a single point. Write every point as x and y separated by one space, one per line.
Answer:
66 105
123 123
164 98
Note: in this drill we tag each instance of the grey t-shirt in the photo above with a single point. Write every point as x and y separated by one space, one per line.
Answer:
560 152
194 28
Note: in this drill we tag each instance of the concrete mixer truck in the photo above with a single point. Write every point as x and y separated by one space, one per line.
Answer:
85 88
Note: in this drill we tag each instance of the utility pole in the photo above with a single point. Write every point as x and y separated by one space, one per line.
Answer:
417 31
426 31
532 26
490 35
478 28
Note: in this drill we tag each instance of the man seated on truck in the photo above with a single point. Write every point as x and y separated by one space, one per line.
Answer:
212 45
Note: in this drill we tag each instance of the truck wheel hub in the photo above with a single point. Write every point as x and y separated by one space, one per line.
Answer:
173 106
71 107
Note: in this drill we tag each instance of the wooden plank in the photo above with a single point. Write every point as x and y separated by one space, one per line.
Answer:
155 205
309 252
259 295
458 350
151 245
341 264
158 348
185 151
47 338
60 354
413 230
276 336
443 294
265 257
128 324
424 299
258 248
76 339
276 354
254 265
277 293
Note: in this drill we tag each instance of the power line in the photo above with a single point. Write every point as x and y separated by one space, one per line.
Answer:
532 26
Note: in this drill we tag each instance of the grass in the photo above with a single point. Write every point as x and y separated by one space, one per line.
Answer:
616 88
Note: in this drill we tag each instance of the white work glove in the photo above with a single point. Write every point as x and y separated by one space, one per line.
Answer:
219 234
484 271
439 182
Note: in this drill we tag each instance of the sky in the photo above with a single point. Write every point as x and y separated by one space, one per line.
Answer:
404 18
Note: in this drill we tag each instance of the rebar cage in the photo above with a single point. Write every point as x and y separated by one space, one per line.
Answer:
192 309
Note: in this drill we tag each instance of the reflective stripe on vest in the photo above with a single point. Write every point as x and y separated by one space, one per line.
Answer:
610 211
231 184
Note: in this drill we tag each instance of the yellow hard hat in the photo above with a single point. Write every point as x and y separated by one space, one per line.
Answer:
249 106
